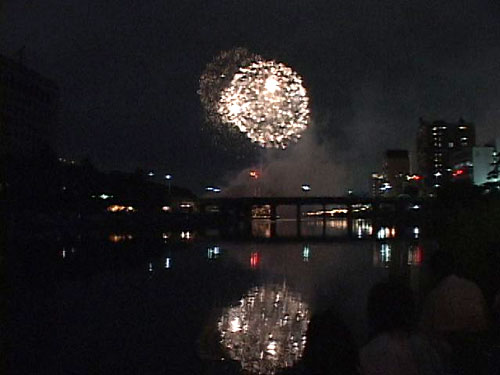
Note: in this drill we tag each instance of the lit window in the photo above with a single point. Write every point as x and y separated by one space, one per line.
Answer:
451 144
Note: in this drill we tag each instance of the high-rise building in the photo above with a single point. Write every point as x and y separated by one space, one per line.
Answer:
28 109
441 146
396 168
377 185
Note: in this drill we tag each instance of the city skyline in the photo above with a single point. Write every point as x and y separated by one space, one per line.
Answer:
128 78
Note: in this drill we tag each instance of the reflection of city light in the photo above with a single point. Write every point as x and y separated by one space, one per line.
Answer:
213 252
254 260
416 232
415 255
261 228
385 253
362 227
306 253
337 224
259 332
382 255
150 267
386 232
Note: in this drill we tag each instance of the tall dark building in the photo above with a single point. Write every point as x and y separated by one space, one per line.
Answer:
28 109
377 185
439 144
396 168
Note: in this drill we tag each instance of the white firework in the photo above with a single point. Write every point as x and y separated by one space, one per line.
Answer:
218 75
267 101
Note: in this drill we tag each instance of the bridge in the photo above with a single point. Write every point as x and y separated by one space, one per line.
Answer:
242 209
349 202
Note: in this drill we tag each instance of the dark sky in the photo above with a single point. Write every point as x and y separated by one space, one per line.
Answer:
128 73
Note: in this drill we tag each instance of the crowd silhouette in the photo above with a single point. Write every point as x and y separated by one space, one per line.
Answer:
454 332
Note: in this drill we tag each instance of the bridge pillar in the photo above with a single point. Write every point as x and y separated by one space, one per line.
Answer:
349 220
299 218
274 216
324 220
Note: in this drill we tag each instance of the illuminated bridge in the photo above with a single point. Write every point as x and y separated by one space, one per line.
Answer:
244 209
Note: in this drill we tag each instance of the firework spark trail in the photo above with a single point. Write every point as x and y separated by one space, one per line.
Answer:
267 101
218 75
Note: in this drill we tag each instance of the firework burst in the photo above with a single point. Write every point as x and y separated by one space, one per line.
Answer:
218 75
266 101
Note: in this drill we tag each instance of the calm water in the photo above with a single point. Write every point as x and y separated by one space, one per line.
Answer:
169 302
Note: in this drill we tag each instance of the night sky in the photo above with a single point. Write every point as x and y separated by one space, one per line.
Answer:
129 73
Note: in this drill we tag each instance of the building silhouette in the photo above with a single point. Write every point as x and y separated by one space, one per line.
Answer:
394 177
28 109
396 168
441 146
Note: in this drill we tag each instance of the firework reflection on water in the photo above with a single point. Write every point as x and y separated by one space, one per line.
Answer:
267 330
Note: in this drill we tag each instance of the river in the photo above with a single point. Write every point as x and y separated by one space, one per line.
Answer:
185 302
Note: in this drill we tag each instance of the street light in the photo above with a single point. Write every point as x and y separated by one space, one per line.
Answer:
213 189
254 174
168 177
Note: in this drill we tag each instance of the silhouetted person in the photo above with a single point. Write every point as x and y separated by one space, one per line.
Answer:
455 315
455 304
330 348
395 348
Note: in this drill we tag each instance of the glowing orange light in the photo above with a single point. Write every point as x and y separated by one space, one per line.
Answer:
253 174
119 208
115 208
115 238
254 260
